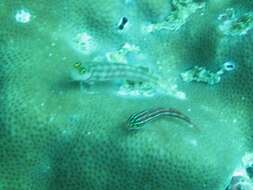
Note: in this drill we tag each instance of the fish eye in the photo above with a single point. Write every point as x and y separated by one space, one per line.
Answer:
82 71
229 66
77 64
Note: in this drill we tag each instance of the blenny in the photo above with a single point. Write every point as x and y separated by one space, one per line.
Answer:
100 72
138 120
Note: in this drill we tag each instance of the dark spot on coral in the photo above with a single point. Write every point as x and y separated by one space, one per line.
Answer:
123 22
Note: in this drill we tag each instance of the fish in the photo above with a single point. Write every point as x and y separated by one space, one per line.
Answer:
138 120
102 72
91 73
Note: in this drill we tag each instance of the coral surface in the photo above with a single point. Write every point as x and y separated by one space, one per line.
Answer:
56 136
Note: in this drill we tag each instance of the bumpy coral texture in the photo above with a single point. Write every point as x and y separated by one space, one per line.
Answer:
54 136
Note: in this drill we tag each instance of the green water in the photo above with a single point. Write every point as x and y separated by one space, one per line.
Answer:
59 133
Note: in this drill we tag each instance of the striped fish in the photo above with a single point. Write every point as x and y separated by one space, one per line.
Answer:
138 120
100 72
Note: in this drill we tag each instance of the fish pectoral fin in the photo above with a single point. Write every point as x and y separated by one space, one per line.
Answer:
84 87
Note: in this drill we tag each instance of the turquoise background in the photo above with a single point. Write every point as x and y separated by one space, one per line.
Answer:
54 136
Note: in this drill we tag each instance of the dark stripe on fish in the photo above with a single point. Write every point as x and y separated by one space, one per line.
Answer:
137 120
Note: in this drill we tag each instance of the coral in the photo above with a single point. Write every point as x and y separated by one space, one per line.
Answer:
54 136
201 74
180 13
235 25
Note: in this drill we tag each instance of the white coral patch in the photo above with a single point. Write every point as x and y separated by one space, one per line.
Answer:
85 43
23 16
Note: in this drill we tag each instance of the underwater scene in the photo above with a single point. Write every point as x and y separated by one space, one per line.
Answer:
126 95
